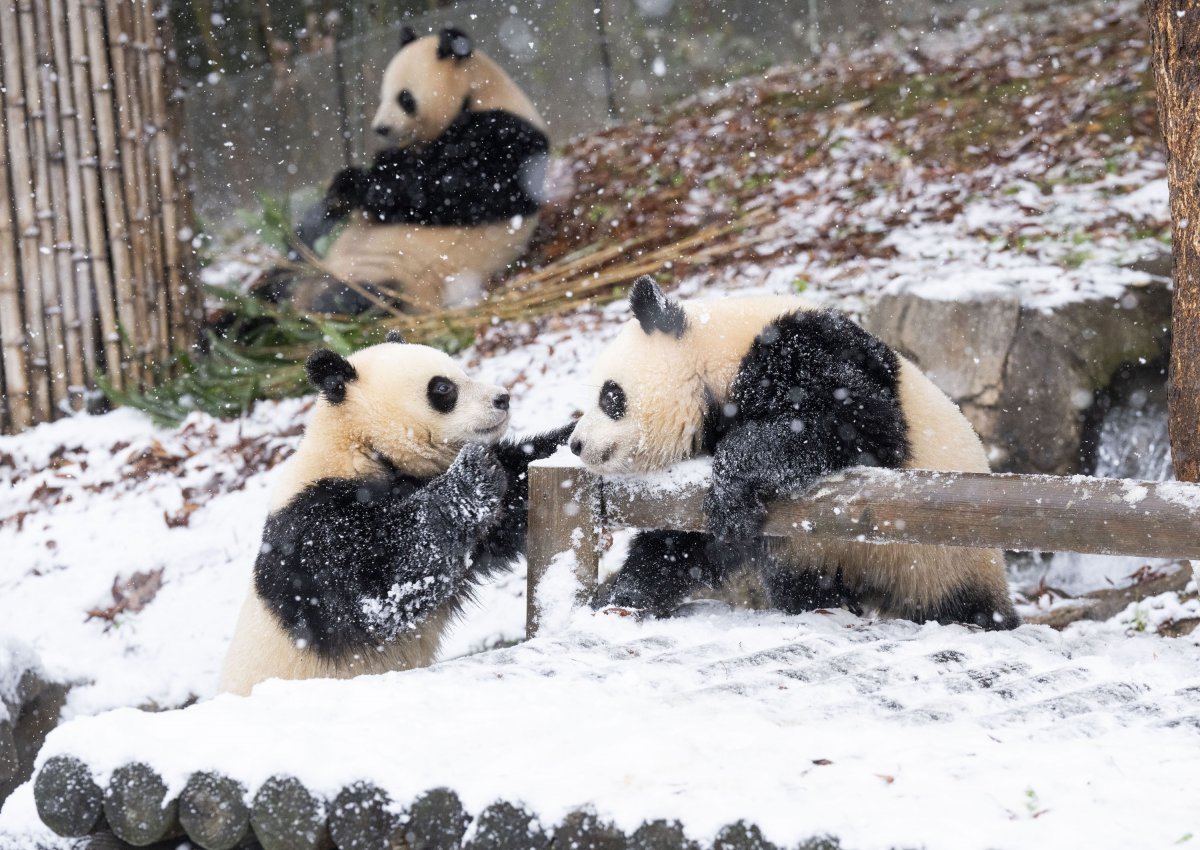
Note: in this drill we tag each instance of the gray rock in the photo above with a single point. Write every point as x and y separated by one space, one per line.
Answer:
1026 377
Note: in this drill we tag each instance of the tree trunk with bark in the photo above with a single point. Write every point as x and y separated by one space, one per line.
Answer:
1175 42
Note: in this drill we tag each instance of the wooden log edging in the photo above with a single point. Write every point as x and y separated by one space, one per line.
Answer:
213 811
1104 516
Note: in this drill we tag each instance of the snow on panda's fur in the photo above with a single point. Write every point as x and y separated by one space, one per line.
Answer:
779 393
401 496
455 195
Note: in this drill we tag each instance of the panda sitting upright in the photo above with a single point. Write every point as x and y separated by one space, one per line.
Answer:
454 196
392 509
779 393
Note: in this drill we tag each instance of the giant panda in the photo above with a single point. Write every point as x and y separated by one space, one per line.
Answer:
454 196
779 392
400 498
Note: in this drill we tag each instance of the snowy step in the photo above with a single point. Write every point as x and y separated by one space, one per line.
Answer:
606 732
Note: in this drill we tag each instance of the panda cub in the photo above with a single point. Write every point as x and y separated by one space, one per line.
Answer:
454 195
400 498
779 393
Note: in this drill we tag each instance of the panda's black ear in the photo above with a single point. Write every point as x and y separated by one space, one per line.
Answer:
654 310
329 372
407 36
394 336
453 43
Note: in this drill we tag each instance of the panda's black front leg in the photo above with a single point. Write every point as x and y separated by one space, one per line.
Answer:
754 463
507 538
664 567
346 192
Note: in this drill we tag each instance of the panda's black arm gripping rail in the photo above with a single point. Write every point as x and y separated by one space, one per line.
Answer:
569 508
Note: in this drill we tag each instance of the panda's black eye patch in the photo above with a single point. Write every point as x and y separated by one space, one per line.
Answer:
612 400
407 102
442 394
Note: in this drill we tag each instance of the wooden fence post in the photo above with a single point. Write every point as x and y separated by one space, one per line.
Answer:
562 518
1175 44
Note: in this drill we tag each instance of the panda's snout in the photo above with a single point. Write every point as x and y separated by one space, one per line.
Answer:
500 402
576 446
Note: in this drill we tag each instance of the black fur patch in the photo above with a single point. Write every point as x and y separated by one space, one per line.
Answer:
663 567
453 43
793 590
486 167
654 310
407 36
329 372
394 336
349 564
442 394
613 402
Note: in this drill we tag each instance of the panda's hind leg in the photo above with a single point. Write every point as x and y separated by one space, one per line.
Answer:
664 567
795 589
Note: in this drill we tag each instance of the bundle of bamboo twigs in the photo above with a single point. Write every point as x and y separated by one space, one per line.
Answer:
96 267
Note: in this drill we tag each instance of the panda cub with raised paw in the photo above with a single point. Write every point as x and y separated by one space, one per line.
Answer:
454 195
779 393
400 499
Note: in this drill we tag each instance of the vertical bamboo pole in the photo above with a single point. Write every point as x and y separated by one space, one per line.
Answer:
120 36
83 331
12 334
33 334
175 272
66 381
117 222
103 295
50 306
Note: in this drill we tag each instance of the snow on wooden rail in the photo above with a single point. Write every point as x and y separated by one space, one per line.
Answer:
1107 516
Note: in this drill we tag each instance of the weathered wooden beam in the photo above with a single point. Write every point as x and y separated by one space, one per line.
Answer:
1042 512
287 816
137 807
67 797
560 521
213 811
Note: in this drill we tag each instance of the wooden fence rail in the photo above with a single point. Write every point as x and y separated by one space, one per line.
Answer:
568 507
96 268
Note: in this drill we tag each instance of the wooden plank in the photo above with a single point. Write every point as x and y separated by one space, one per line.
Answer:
561 519
1101 516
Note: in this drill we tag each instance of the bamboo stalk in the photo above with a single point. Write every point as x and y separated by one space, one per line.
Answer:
34 338
50 304
153 284
128 367
18 414
102 297
83 329
122 79
67 357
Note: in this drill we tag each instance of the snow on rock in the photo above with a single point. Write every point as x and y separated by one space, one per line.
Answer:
949 737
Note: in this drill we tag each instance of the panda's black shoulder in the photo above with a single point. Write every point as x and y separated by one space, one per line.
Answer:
819 368
495 133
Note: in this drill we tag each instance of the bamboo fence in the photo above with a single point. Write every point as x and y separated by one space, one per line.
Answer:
97 275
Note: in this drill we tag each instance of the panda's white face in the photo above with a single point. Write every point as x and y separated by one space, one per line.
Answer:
647 411
411 404
423 91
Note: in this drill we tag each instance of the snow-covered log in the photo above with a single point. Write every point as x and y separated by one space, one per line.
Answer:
287 816
213 812
137 806
68 800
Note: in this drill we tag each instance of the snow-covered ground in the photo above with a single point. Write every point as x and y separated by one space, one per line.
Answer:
940 736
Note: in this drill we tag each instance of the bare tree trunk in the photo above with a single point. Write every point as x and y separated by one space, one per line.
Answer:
1175 42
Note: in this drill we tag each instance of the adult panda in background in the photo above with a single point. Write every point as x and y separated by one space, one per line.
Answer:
779 393
400 498
455 195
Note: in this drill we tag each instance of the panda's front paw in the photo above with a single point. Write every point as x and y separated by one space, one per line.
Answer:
484 478
734 513
345 192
